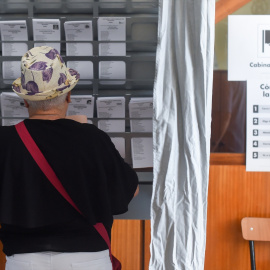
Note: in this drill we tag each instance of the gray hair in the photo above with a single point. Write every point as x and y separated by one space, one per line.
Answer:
47 104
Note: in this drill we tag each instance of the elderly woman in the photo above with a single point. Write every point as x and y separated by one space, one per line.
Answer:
39 228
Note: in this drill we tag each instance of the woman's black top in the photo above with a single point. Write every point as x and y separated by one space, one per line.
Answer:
33 215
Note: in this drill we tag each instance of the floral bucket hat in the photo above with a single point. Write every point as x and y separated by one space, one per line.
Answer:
44 75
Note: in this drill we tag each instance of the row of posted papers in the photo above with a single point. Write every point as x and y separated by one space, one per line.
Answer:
13 111
47 32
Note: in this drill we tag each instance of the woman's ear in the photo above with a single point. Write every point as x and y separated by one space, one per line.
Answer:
68 99
26 104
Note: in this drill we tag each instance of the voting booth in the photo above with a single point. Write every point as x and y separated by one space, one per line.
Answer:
112 44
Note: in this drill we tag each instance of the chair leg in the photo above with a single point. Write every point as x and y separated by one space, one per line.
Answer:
252 255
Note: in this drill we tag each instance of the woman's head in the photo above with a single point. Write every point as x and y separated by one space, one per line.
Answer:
48 104
44 75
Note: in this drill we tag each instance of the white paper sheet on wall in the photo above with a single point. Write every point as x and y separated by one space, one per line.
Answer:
141 108
82 105
11 70
119 144
112 29
111 107
112 49
14 31
79 31
112 70
142 152
85 69
258 124
47 30
12 106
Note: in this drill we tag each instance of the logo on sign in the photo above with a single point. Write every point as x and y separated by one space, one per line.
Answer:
264 41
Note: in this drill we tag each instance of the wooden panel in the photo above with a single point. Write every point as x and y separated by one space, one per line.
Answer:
127 243
227 7
147 239
227 159
234 194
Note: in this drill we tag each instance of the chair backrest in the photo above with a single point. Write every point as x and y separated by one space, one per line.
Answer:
256 229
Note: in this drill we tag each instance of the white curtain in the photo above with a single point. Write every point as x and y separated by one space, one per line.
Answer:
182 121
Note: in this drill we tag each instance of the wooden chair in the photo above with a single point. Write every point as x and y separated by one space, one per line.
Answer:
255 229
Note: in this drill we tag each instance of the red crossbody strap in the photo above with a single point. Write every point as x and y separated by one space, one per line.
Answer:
103 232
42 162
52 177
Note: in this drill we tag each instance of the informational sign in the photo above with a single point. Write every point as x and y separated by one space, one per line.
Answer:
258 124
79 31
248 46
12 109
82 105
112 29
142 152
47 30
112 70
249 60
141 108
111 107
85 69
119 144
14 31
11 69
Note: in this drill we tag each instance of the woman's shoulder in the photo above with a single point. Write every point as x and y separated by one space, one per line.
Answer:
88 130
7 131
87 127
8 137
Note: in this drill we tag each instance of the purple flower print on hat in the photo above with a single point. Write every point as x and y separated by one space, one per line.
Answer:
62 78
54 53
74 73
23 81
47 74
39 66
63 88
32 88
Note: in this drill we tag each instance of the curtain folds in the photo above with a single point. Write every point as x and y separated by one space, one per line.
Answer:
182 122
